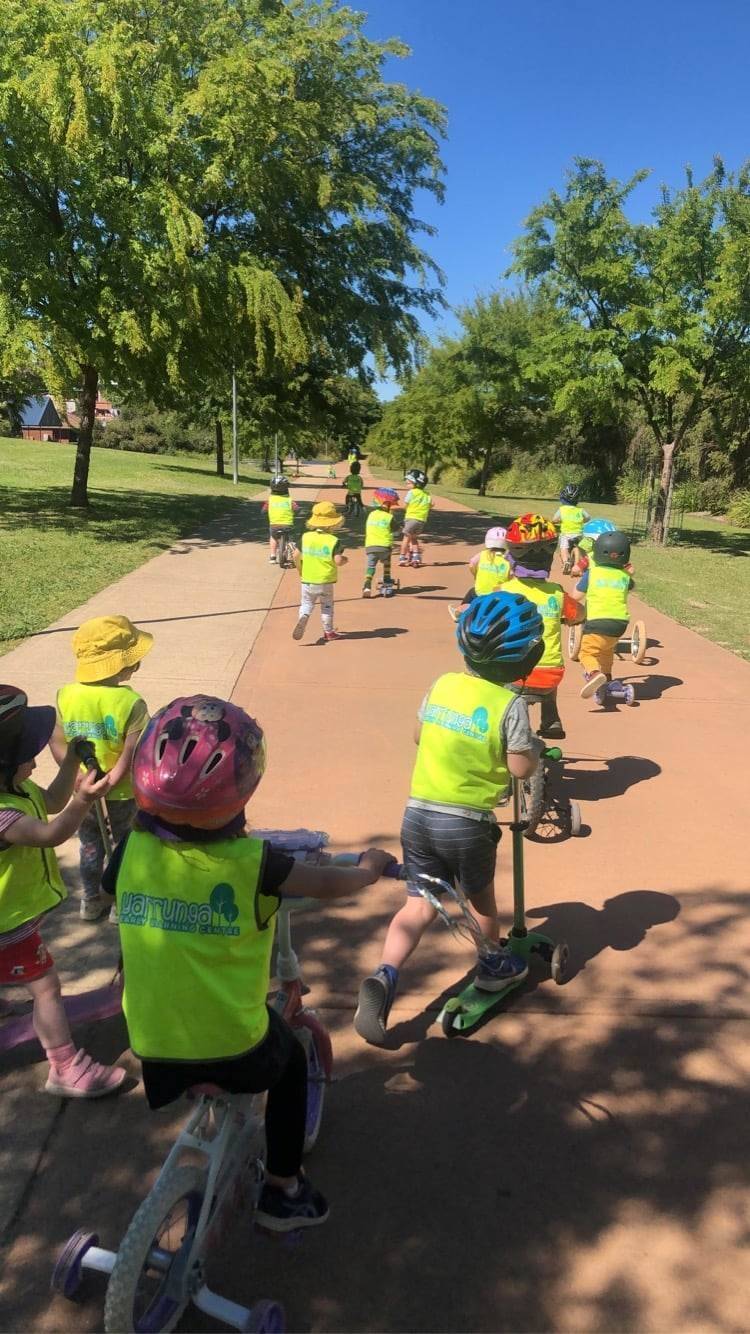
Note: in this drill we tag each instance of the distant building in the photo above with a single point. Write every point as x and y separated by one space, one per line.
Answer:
104 412
40 420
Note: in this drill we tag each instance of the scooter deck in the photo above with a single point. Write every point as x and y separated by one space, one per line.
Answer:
464 1012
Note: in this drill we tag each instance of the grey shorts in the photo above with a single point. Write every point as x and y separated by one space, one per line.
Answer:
452 847
414 527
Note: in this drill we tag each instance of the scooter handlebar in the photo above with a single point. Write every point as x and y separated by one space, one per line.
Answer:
552 753
87 755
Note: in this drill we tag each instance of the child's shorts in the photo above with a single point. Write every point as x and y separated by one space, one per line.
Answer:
277 532
452 847
25 961
414 527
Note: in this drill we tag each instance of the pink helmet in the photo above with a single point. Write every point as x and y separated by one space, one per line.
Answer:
494 539
198 762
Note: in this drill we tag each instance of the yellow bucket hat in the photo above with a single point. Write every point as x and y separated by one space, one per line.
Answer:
107 645
325 515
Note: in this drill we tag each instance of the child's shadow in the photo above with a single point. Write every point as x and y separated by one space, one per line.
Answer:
621 924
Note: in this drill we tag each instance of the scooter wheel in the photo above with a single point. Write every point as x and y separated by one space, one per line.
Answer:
266 1318
446 1023
638 641
66 1275
559 963
575 819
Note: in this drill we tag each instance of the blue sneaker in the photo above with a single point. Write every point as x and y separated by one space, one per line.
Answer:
278 1211
495 971
376 995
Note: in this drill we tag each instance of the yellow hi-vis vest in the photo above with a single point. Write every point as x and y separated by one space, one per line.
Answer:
379 529
318 565
30 880
101 714
607 593
549 598
419 505
196 937
491 573
461 758
280 512
572 519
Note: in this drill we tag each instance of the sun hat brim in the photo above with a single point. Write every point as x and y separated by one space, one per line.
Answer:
103 665
336 522
38 726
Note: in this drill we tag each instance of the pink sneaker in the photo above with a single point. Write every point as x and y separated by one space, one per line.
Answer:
83 1077
333 634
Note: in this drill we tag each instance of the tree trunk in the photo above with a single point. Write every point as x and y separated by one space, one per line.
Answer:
484 475
79 496
659 530
219 447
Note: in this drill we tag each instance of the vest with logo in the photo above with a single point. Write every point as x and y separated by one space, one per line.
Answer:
549 598
419 505
572 519
379 529
492 572
100 714
280 512
318 565
196 936
30 880
607 593
461 758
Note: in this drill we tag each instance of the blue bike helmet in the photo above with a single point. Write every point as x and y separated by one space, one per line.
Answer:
501 636
569 493
596 526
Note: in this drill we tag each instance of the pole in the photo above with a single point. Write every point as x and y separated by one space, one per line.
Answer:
235 453
276 453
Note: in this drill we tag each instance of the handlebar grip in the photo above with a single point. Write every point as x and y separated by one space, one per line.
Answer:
87 755
552 753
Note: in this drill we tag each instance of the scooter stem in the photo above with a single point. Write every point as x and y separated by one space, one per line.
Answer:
517 830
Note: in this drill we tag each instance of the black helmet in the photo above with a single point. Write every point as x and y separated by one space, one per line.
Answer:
501 636
569 493
355 467
280 485
612 549
416 477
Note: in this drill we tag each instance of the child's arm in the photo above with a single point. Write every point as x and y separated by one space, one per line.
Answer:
475 561
523 747
340 559
29 832
335 882
136 723
579 592
58 793
58 744
298 559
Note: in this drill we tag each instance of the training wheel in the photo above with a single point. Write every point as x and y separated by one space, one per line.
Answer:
266 1318
559 963
575 819
638 641
575 635
66 1275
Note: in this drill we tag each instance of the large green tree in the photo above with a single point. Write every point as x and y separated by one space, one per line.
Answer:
661 310
195 182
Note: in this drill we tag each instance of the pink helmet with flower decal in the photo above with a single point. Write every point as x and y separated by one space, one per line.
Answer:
198 762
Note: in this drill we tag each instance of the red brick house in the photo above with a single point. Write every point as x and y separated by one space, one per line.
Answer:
40 420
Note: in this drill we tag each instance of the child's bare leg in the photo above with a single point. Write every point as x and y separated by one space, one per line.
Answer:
72 1074
406 930
495 971
48 1017
484 908
377 991
273 545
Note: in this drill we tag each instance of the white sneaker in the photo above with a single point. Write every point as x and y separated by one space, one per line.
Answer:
300 627
93 908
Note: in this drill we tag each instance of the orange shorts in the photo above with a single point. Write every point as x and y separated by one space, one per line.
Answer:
543 678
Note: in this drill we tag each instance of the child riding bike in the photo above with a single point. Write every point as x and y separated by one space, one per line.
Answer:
473 734
418 505
353 485
197 898
490 567
531 541
591 531
604 587
379 540
570 518
281 510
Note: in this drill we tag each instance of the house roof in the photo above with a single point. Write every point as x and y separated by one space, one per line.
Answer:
39 410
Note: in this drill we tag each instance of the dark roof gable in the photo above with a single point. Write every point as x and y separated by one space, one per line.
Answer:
39 410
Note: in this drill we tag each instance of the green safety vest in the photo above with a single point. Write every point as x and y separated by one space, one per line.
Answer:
461 758
318 565
379 529
548 597
196 936
491 573
607 593
30 880
419 505
572 519
100 714
353 484
280 512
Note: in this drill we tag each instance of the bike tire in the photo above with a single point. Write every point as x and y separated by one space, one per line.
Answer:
575 635
638 641
319 1056
533 799
162 1313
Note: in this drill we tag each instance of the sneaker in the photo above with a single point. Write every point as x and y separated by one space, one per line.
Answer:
553 731
495 971
416 564
114 919
629 695
403 560
300 627
333 634
376 995
83 1077
272 560
367 591
593 682
280 1212
93 907
454 610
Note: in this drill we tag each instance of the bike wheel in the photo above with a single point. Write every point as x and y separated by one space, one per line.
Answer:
317 1045
162 1231
533 799
575 635
638 641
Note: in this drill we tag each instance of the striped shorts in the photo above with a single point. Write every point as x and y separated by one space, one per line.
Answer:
453 847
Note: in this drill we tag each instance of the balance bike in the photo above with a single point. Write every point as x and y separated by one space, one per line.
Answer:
636 643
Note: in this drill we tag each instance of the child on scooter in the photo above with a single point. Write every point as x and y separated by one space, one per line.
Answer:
318 562
31 885
101 706
379 540
418 505
604 587
281 510
490 567
473 735
197 898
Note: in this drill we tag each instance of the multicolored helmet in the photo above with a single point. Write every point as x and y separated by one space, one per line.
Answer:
198 762
280 485
385 496
416 477
569 493
498 632
494 539
530 530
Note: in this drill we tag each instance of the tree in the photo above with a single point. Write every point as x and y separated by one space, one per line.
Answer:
660 311
198 182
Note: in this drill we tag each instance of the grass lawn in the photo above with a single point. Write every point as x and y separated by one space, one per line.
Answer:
702 580
52 558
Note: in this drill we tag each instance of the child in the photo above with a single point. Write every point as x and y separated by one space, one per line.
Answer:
570 519
197 900
591 531
379 539
473 734
318 563
418 504
531 541
353 485
491 570
104 709
31 885
281 510
604 587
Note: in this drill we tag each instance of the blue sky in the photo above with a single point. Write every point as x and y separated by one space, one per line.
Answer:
528 86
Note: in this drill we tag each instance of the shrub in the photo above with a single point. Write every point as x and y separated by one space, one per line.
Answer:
148 431
739 509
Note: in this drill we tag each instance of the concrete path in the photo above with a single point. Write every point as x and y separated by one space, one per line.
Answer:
579 1164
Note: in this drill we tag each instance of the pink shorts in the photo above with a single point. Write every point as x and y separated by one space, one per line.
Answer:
25 961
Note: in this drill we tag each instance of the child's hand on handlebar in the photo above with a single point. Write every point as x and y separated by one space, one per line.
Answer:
90 787
376 860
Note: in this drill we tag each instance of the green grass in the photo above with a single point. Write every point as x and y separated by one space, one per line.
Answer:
52 558
702 580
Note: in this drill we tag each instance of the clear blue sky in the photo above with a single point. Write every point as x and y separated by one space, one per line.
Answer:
528 86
